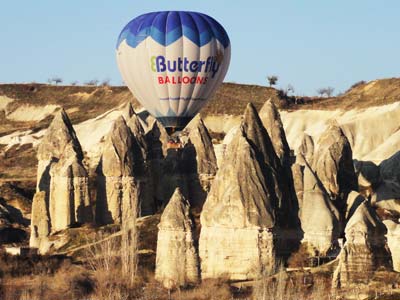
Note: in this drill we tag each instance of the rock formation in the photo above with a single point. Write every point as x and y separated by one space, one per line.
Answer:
199 162
69 194
364 250
140 147
177 262
59 140
306 150
128 111
204 152
62 183
278 177
333 164
393 241
354 199
116 183
157 139
298 182
40 222
272 122
319 217
238 217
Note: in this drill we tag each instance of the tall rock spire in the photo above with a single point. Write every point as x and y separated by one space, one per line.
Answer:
115 171
272 122
238 217
62 183
177 262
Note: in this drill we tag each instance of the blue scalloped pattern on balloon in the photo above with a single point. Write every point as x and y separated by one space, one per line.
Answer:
167 27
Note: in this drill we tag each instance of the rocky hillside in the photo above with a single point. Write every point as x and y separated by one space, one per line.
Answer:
244 196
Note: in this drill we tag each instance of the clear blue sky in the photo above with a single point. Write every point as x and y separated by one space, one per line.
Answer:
307 43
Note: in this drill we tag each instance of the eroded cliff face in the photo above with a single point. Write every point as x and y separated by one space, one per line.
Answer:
365 248
177 261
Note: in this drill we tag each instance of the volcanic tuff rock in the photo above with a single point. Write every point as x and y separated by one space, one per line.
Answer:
59 140
354 199
140 147
277 177
272 122
238 217
319 217
116 182
393 240
364 251
40 223
69 194
199 162
63 179
128 111
298 182
177 262
333 164
201 140
306 150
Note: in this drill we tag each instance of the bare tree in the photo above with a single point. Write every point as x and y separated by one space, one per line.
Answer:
55 79
92 82
105 82
272 80
290 89
328 91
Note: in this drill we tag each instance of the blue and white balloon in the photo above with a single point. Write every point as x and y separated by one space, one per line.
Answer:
173 62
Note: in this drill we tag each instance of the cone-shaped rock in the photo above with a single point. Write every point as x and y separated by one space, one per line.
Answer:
393 240
199 162
115 170
157 139
177 262
138 133
306 150
364 251
333 164
319 217
258 136
201 140
272 122
128 111
117 157
278 177
60 139
237 219
62 177
40 222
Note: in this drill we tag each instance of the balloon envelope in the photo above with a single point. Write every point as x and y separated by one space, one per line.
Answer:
173 62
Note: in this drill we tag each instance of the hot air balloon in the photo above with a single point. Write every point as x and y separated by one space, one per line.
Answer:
173 62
